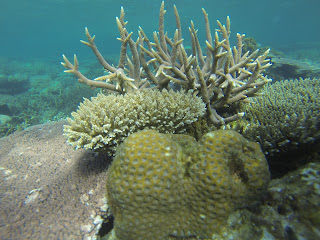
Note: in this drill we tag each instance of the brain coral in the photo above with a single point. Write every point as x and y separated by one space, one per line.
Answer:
162 185
105 120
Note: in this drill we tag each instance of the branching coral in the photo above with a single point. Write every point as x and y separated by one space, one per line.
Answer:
104 121
223 76
287 118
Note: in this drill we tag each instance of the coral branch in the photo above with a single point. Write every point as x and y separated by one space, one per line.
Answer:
81 78
222 77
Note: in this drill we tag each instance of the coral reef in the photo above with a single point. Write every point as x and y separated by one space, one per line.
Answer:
13 84
291 68
289 210
287 118
39 92
306 51
104 121
249 44
49 190
224 75
15 74
170 184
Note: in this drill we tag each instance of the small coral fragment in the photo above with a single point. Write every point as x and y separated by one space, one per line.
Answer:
162 185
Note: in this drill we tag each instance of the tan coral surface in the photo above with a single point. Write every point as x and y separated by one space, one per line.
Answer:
47 189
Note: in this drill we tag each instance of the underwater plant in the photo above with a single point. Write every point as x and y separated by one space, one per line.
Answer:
221 77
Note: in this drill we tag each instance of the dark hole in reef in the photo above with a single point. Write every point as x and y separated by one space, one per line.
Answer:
281 164
289 234
4 109
106 226
237 167
282 209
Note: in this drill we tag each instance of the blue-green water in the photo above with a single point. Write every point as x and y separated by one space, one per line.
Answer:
35 34
37 28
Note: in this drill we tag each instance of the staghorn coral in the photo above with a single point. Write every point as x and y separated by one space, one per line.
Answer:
162 185
104 121
222 76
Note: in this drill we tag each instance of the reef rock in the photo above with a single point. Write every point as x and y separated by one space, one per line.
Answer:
48 190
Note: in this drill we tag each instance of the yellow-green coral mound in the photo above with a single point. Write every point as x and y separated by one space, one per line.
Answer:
162 185
105 120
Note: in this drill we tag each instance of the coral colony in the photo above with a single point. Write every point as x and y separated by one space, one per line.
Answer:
222 76
177 186
162 184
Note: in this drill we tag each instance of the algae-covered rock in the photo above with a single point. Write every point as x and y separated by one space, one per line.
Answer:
289 210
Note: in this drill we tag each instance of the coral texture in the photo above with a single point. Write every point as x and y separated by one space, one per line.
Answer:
290 209
104 121
222 76
47 189
163 185
50 191
287 117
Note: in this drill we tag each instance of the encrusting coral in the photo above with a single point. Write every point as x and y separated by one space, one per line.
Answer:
221 77
162 185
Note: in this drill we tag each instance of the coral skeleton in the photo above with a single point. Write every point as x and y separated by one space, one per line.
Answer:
221 76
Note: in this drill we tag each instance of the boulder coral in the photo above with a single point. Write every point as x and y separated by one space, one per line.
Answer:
162 185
